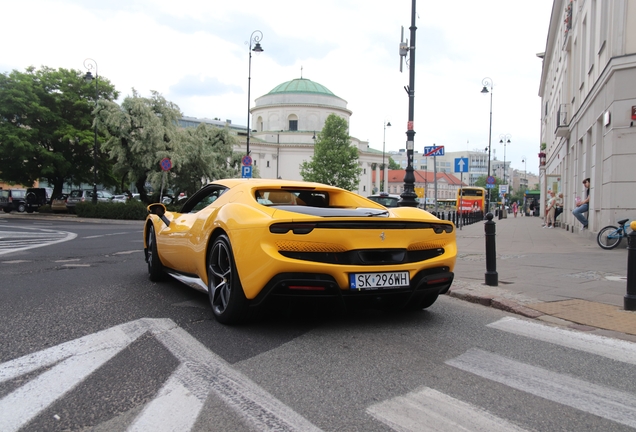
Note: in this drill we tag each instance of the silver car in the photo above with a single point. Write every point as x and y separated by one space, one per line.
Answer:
84 195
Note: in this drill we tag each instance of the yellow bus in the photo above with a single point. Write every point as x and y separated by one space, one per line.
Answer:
471 199
447 204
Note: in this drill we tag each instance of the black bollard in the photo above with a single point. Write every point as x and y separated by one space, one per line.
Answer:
492 279
630 297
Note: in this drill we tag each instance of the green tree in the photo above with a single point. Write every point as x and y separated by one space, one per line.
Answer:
141 132
494 192
393 165
46 119
204 153
335 161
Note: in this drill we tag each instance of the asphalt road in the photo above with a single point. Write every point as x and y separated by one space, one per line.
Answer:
88 342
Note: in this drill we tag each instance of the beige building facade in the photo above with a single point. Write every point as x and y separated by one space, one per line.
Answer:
588 108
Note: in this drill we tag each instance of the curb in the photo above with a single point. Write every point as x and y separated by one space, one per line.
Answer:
501 303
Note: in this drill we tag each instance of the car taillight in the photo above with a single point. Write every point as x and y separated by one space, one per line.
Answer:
10 199
296 228
82 199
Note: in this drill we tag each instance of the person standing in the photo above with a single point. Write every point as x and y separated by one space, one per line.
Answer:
583 206
550 208
515 207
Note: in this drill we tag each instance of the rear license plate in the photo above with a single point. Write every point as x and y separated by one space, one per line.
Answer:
372 281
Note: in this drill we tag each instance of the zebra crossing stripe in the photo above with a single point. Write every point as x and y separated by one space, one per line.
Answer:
77 360
608 403
615 349
175 408
178 402
15 241
430 410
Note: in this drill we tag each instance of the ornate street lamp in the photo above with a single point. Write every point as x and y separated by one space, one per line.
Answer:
407 198
525 171
90 64
487 83
504 139
256 38
386 124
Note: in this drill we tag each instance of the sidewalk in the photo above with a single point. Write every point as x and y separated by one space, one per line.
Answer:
549 274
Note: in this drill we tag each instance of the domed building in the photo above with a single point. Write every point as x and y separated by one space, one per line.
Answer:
284 125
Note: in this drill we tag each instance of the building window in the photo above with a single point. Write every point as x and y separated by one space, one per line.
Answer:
364 188
267 164
293 125
364 171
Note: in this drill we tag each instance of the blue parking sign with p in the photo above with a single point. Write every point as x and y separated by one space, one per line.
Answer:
246 172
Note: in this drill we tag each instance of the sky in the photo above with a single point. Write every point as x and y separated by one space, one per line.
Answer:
196 54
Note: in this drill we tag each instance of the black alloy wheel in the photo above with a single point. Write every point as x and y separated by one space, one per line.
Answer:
227 298
155 267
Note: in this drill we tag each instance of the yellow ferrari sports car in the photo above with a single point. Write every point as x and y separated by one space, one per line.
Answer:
246 241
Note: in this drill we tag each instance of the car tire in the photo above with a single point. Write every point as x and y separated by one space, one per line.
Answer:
155 267
227 298
21 208
29 209
6 210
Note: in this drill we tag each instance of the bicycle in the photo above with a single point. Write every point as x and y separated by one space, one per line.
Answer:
611 236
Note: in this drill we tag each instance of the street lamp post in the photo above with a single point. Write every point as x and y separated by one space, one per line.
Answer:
504 139
487 83
383 177
407 198
525 181
90 64
256 38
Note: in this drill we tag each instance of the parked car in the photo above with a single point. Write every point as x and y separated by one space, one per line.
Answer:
36 197
58 204
120 198
83 195
13 199
245 241
385 199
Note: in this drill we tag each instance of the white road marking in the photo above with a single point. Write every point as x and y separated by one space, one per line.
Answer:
77 359
430 410
67 260
614 349
15 261
177 404
105 235
128 252
592 398
21 240
76 265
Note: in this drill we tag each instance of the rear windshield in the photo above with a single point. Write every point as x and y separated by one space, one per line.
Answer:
276 197
76 194
17 193
385 201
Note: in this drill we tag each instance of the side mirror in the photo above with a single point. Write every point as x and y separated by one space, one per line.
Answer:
159 210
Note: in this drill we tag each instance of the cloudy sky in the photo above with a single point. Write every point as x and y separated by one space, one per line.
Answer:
195 53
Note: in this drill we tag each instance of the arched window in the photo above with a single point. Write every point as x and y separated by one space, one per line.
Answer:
293 122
